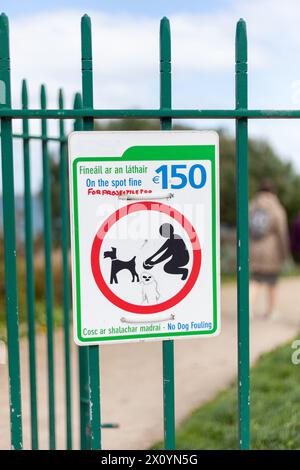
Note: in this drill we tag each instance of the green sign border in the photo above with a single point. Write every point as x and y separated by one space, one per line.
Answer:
151 153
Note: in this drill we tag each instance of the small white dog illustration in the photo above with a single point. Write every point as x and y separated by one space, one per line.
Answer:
150 294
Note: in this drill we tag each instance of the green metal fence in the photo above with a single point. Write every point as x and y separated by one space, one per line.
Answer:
83 115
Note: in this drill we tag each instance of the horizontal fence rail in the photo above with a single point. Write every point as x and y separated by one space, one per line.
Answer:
150 113
84 115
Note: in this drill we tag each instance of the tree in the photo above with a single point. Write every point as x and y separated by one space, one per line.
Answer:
263 163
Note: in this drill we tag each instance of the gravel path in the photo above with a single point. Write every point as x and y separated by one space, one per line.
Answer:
131 383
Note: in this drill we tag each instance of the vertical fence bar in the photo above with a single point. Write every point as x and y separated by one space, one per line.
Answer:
48 270
168 346
242 237
9 232
64 204
83 358
88 124
30 294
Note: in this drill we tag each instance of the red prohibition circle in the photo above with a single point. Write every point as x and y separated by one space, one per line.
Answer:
105 227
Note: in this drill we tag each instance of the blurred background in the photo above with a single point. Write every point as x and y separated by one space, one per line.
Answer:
45 48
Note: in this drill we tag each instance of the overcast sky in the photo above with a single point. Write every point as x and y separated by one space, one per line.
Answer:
45 48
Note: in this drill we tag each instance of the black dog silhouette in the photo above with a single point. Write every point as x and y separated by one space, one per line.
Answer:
117 265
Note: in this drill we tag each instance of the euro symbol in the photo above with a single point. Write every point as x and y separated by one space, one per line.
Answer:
155 179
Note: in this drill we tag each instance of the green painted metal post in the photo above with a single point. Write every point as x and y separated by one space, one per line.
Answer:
11 290
64 204
83 357
48 271
88 124
242 237
168 346
30 293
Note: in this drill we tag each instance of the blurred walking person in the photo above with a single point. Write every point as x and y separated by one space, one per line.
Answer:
269 245
295 239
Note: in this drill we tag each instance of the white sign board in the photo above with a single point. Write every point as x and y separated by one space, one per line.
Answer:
144 235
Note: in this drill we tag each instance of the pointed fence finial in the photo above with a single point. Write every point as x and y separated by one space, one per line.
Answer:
60 98
77 105
4 37
24 94
77 101
43 97
86 37
165 39
5 94
241 41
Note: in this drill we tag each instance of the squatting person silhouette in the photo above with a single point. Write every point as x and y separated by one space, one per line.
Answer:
173 248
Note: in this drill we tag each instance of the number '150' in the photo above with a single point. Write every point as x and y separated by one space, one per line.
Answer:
195 176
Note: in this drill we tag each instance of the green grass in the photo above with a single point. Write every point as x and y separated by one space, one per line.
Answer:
39 287
275 410
40 320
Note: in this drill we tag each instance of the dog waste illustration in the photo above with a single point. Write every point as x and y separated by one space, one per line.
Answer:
144 235
150 293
